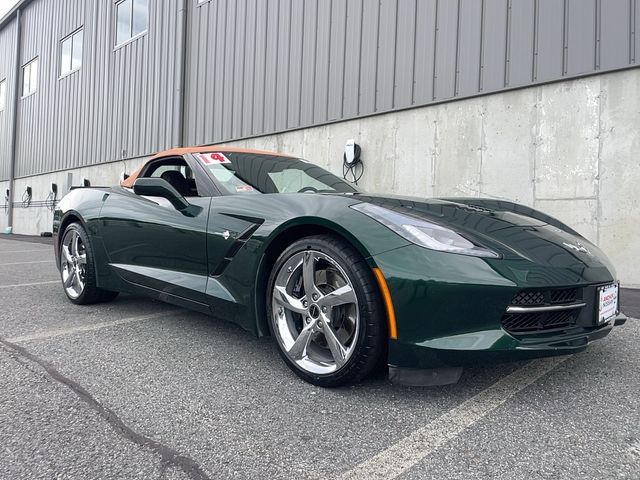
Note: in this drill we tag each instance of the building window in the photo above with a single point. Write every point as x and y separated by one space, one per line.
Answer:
30 77
71 53
131 19
3 94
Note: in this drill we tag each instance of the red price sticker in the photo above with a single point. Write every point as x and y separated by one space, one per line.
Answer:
213 158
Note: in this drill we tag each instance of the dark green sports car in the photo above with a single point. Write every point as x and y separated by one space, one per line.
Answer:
345 282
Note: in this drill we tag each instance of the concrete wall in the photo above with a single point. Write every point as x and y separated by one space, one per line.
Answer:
37 219
568 149
3 203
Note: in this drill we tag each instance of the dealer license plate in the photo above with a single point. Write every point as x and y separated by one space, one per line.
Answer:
607 303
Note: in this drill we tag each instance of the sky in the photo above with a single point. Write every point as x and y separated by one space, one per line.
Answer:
5 6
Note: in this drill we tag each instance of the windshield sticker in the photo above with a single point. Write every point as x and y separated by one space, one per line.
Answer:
213 158
244 188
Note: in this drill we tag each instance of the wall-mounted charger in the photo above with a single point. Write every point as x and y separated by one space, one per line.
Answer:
351 162
26 197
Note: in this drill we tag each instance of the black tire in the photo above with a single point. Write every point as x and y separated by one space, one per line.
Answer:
90 293
369 342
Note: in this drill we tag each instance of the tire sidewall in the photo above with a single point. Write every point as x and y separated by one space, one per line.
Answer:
89 267
368 313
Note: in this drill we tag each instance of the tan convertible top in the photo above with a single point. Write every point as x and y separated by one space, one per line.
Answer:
185 150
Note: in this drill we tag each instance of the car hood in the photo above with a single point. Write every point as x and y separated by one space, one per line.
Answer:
514 231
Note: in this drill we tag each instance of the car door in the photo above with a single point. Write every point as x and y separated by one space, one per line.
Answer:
152 245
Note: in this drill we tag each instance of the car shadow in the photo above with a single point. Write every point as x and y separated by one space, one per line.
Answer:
263 352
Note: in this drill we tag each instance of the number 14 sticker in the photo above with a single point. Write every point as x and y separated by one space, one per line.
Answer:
213 158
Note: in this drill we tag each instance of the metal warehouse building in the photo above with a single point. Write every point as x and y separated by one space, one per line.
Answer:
535 101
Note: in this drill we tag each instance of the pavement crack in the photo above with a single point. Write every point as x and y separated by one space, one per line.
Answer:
168 455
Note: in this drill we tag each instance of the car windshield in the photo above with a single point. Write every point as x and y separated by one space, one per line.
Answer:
254 173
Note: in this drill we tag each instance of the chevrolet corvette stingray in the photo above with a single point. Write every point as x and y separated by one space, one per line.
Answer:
345 282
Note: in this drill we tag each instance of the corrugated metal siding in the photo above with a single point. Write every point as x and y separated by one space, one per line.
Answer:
313 61
615 33
7 69
121 103
521 41
261 66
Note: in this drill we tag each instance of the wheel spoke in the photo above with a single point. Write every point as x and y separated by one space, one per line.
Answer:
339 296
66 253
79 282
325 285
288 301
74 244
309 274
299 347
69 280
338 351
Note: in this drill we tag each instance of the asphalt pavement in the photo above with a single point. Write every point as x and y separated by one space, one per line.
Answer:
140 389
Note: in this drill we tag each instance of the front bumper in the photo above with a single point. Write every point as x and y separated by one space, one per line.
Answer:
491 346
449 309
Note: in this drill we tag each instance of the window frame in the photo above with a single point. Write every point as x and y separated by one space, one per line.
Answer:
3 95
115 25
205 186
29 64
71 37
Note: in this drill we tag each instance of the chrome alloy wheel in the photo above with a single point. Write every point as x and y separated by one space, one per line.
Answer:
315 312
73 263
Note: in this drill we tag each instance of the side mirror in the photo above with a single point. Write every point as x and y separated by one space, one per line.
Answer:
159 187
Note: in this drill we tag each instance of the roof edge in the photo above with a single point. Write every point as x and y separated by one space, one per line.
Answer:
12 13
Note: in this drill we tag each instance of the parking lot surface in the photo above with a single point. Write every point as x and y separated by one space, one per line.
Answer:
140 389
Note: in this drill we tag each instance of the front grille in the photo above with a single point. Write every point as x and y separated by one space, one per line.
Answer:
533 322
539 321
545 297
531 297
566 295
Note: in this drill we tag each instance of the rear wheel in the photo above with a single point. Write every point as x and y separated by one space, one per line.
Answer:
77 268
325 312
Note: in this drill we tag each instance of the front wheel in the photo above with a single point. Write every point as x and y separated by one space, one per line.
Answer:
325 312
77 268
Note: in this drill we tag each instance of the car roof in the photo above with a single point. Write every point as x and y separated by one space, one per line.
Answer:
203 149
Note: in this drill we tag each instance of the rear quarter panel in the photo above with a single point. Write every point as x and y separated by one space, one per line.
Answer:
81 204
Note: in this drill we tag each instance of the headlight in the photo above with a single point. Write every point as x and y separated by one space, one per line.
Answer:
424 233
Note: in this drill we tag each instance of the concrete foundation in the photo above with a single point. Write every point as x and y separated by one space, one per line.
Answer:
33 220
568 149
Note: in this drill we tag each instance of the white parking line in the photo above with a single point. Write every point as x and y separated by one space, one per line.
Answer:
24 251
29 284
26 263
59 332
401 456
